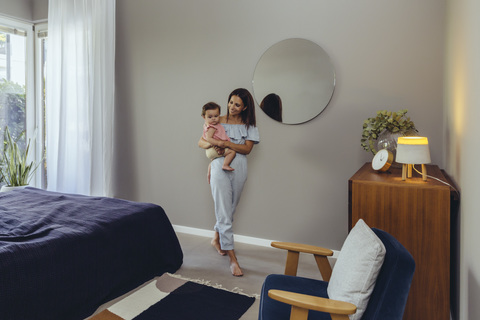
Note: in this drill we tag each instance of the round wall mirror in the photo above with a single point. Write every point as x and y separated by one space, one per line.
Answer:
294 81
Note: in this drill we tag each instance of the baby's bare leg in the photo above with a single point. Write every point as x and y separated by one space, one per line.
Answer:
229 156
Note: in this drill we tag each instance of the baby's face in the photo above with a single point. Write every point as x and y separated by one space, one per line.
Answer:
212 116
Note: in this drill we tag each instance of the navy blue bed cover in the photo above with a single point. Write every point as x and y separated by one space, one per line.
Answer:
63 255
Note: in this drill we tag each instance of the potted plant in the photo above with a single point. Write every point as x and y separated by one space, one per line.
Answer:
15 170
385 128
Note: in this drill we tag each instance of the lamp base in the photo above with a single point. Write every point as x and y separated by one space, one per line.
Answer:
407 171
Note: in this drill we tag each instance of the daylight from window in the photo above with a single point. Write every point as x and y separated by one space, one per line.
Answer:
22 94
12 82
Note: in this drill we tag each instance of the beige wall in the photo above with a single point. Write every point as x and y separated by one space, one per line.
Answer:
170 60
174 56
462 114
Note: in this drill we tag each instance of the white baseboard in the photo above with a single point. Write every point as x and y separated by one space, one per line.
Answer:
210 234
238 238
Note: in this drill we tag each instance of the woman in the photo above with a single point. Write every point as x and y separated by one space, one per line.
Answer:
227 186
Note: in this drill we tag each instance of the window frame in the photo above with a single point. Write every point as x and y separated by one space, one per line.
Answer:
39 28
30 100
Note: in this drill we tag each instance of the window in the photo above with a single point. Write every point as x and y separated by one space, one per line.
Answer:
41 42
17 91
13 80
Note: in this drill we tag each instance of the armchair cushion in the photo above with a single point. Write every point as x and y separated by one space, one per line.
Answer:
357 267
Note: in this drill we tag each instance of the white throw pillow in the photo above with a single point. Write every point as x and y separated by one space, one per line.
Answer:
357 267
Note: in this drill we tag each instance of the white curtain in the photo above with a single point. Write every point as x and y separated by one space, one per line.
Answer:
80 95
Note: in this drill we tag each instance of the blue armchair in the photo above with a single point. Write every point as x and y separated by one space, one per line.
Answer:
290 297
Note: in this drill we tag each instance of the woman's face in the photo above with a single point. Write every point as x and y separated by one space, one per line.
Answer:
235 106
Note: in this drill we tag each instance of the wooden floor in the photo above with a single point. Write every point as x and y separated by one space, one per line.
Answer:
201 261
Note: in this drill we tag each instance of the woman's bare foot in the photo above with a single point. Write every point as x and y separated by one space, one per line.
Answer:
234 266
216 244
235 269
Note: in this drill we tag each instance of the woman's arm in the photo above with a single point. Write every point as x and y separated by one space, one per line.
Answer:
210 139
240 148
204 144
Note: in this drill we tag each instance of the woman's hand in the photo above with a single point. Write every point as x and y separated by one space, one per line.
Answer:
239 148
202 143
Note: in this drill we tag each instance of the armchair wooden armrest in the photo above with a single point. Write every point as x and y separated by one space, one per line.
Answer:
301 303
294 250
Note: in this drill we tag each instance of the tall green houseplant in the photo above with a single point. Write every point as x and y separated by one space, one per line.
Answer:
15 168
393 122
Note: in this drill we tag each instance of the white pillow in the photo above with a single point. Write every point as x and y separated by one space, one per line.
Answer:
357 267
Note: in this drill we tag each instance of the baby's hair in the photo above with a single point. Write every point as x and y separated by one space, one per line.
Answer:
210 106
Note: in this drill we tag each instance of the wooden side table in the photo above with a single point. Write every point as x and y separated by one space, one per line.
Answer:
417 213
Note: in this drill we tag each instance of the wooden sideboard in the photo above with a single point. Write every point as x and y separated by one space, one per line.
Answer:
418 214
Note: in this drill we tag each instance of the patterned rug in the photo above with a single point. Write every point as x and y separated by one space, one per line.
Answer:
172 297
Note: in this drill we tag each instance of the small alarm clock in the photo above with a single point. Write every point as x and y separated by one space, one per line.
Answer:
382 160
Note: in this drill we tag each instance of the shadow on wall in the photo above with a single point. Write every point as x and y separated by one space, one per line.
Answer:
124 182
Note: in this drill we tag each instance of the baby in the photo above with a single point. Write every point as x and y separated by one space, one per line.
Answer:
214 131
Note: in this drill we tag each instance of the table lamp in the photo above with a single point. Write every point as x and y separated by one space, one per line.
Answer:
410 151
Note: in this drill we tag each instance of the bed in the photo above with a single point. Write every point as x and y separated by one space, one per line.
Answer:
63 255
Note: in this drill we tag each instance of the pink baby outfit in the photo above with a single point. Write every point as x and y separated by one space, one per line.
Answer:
219 134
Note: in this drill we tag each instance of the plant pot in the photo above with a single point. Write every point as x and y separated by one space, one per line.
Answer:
7 188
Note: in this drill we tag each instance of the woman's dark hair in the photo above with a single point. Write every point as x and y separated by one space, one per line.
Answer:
272 105
210 106
248 116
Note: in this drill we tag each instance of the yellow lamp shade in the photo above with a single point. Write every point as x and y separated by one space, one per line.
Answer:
413 140
413 150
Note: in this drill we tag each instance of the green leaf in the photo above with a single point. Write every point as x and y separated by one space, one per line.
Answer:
15 170
384 120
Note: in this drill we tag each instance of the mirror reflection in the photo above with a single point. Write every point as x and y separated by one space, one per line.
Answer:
294 81
272 106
